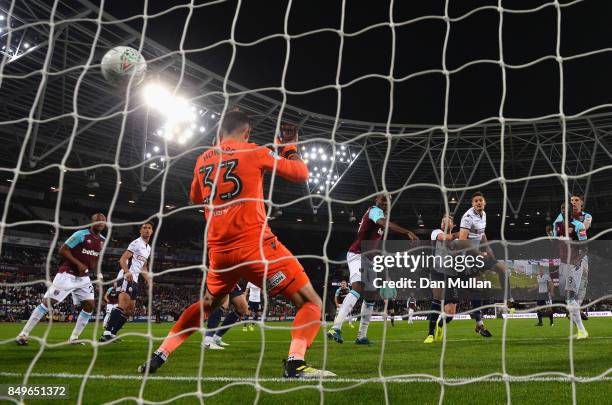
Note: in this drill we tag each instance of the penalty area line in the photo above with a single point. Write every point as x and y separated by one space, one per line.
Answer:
390 379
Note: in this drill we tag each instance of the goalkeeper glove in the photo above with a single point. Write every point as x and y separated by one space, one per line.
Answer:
286 139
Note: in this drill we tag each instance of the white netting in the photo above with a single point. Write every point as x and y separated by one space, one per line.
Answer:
338 136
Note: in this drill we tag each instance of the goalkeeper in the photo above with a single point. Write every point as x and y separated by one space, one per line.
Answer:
228 180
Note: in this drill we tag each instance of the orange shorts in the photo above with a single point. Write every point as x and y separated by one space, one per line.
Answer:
285 275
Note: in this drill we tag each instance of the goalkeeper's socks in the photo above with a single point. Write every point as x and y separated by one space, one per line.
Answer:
39 313
116 321
345 309
82 321
213 321
433 316
305 328
229 320
187 323
366 313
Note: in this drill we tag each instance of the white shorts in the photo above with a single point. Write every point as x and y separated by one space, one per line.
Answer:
64 284
355 272
109 307
354 265
573 278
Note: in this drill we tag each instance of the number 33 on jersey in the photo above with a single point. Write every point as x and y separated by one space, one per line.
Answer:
230 178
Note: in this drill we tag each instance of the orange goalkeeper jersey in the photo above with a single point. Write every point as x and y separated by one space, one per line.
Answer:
233 179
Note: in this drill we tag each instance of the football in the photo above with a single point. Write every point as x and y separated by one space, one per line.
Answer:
122 63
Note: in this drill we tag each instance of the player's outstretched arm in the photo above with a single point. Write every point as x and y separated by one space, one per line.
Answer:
397 229
66 254
288 164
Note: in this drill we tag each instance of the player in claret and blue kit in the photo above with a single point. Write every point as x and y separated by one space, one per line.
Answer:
574 263
80 254
371 228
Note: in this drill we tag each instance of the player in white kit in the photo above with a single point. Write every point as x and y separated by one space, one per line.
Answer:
254 296
133 264
473 226
545 290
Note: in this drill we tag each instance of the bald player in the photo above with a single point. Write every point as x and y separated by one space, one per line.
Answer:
79 255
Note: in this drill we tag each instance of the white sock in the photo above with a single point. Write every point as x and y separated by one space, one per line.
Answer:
366 314
39 313
82 321
106 318
345 309
574 311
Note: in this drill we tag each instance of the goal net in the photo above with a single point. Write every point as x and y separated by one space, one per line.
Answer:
422 105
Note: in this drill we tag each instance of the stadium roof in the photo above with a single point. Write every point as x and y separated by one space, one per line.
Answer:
104 134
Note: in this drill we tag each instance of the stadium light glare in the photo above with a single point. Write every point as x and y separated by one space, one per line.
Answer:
316 168
343 147
91 195
26 45
156 96
313 156
324 169
148 155
324 157
306 161
526 223
156 149
299 219
306 155
1 17
132 201
202 129
316 181
321 187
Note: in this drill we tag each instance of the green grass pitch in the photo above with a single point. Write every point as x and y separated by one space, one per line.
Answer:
228 375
